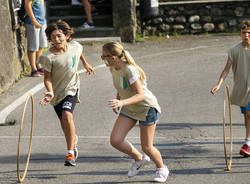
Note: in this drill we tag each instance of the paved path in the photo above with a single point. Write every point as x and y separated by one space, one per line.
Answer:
180 72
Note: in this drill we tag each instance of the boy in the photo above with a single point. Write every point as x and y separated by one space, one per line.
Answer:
62 81
239 58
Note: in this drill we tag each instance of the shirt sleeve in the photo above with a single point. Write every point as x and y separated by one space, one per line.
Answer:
45 62
132 74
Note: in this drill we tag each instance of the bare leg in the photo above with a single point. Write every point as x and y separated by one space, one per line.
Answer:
117 138
87 8
68 127
147 136
38 53
32 59
247 124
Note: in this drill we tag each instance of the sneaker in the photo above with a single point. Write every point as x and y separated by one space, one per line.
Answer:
87 25
137 165
75 148
76 2
70 160
35 73
245 150
40 70
161 174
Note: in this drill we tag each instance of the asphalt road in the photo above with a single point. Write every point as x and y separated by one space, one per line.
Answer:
180 71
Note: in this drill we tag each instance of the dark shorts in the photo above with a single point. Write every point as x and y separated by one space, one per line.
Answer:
245 109
151 118
67 104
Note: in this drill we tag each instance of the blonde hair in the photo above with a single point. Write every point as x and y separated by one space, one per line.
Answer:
116 49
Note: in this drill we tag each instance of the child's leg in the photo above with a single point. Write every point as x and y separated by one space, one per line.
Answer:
38 53
247 123
117 138
68 127
147 136
87 8
32 59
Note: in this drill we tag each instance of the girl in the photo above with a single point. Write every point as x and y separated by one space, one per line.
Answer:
61 80
137 103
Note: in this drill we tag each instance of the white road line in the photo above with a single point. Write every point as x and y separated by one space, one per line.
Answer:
171 52
107 137
7 110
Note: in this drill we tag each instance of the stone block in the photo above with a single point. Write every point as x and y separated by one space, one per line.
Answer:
208 27
194 18
239 11
180 19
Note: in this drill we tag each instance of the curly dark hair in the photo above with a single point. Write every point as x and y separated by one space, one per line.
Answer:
59 25
245 24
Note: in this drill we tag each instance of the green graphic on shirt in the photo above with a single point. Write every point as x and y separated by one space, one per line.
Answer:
125 84
74 61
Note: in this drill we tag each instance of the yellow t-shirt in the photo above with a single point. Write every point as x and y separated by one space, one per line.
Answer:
122 79
240 58
63 68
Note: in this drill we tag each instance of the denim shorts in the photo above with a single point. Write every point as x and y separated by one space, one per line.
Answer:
151 118
245 109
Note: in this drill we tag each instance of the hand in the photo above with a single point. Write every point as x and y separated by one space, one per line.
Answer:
214 89
116 104
89 69
36 24
47 98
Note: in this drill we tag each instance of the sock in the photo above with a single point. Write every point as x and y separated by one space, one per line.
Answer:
247 141
70 152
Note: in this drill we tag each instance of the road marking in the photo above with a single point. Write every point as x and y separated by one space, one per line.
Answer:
7 110
199 139
171 52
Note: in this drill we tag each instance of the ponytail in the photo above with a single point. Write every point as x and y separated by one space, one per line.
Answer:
131 61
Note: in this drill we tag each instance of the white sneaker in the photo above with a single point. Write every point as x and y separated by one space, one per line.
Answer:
161 174
76 2
85 25
137 165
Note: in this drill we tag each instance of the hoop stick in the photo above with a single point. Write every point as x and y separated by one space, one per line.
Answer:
226 94
20 179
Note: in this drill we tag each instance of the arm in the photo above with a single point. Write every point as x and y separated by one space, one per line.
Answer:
222 76
49 95
30 13
139 96
87 66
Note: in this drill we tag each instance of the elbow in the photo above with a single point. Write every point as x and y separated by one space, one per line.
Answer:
141 97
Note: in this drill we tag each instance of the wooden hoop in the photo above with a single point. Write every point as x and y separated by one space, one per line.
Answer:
20 179
227 94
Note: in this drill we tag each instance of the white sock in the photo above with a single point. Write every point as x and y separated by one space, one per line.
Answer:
247 141
70 152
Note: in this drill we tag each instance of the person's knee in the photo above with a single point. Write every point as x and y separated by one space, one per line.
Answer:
248 115
115 141
67 117
147 149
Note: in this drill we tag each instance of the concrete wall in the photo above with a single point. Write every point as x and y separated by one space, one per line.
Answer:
194 17
124 19
11 46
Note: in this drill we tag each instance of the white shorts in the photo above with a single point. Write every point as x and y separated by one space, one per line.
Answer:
36 37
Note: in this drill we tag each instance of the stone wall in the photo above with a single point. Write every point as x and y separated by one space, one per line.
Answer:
12 46
192 17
